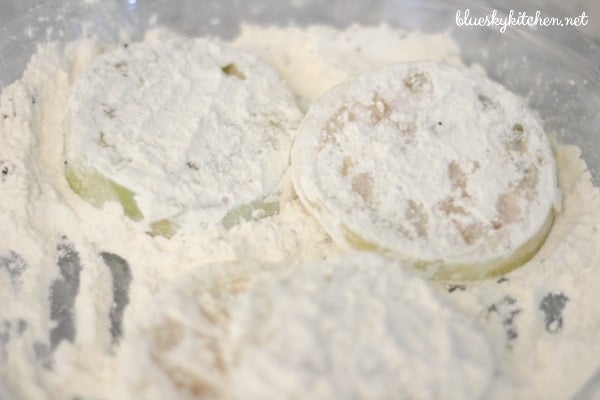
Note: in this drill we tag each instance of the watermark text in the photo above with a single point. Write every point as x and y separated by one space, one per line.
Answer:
520 18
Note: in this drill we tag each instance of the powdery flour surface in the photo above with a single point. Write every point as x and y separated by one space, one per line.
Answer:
193 128
433 163
74 277
280 331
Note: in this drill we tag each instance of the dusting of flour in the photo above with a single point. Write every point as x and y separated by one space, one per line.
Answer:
433 163
64 264
230 316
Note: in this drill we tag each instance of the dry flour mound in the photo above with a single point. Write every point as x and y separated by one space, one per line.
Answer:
74 277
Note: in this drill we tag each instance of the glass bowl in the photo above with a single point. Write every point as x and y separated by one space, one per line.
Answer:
556 69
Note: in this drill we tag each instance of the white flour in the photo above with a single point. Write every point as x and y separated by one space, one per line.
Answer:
193 128
230 317
407 341
432 163
542 320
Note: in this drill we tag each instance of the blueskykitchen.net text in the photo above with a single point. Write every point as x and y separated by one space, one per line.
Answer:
520 18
